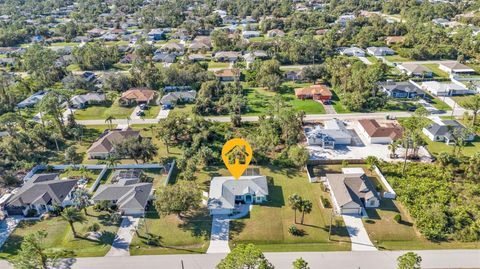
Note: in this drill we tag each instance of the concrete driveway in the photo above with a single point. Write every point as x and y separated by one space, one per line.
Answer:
121 244
219 234
358 234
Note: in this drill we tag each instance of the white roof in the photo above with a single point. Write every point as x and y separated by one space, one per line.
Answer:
352 170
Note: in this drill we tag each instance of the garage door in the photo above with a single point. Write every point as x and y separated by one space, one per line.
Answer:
351 211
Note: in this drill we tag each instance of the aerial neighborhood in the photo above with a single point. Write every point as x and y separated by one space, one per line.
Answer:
362 119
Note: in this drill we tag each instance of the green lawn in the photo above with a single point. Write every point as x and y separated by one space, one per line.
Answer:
74 67
259 102
267 225
152 112
397 58
387 234
156 176
213 64
65 44
461 99
191 234
91 175
437 147
437 72
60 236
337 105
439 104
102 112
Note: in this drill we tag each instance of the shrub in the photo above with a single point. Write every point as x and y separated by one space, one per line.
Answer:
397 218
31 213
153 240
293 230
94 227
326 202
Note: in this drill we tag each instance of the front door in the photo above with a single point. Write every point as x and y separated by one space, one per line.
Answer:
248 199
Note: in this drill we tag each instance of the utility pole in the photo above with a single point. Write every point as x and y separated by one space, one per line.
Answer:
330 228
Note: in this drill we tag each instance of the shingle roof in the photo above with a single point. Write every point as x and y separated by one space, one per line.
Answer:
374 129
351 188
131 196
139 94
232 72
223 190
106 143
314 90
43 189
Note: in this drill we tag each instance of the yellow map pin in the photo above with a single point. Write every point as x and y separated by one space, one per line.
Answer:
237 154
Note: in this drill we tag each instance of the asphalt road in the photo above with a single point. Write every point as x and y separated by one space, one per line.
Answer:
283 260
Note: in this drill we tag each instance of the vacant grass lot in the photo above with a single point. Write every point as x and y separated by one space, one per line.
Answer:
102 112
60 236
90 174
259 102
437 72
213 64
397 58
462 99
387 234
191 234
437 147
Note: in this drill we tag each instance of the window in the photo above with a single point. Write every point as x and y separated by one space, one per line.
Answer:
372 202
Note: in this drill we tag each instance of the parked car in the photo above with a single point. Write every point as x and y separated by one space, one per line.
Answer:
168 106
140 113
143 106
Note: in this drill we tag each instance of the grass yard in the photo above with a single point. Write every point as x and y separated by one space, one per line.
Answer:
177 236
213 64
60 236
185 108
157 176
437 72
337 105
152 112
397 58
259 102
439 104
102 112
90 174
437 147
461 99
387 234
74 67
267 234
267 225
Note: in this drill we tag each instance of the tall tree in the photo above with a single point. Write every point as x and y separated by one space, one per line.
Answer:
245 256
72 215
33 253
81 199
178 199
306 208
295 203
409 260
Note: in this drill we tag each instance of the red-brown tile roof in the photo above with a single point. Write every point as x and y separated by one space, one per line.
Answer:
374 129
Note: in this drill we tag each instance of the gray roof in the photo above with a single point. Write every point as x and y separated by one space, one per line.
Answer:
127 195
437 129
349 188
43 189
333 128
85 98
223 190
414 68
175 96
403 86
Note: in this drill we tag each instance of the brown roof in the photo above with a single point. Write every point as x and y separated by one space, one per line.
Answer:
395 39
106 143
233 72
139 94
314 90
374 129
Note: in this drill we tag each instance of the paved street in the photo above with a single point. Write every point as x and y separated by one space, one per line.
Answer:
358 234
283 260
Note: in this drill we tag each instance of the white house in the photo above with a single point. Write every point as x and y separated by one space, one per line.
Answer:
442 131
380 51
445 89
172 98
453 67
375 133
225 192
414 69
353 51
351 191
332 133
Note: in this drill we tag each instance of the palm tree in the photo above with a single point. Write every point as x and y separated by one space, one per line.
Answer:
112 160
305 207
295 202
72 215
393 148
81 199
83 171
110 119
